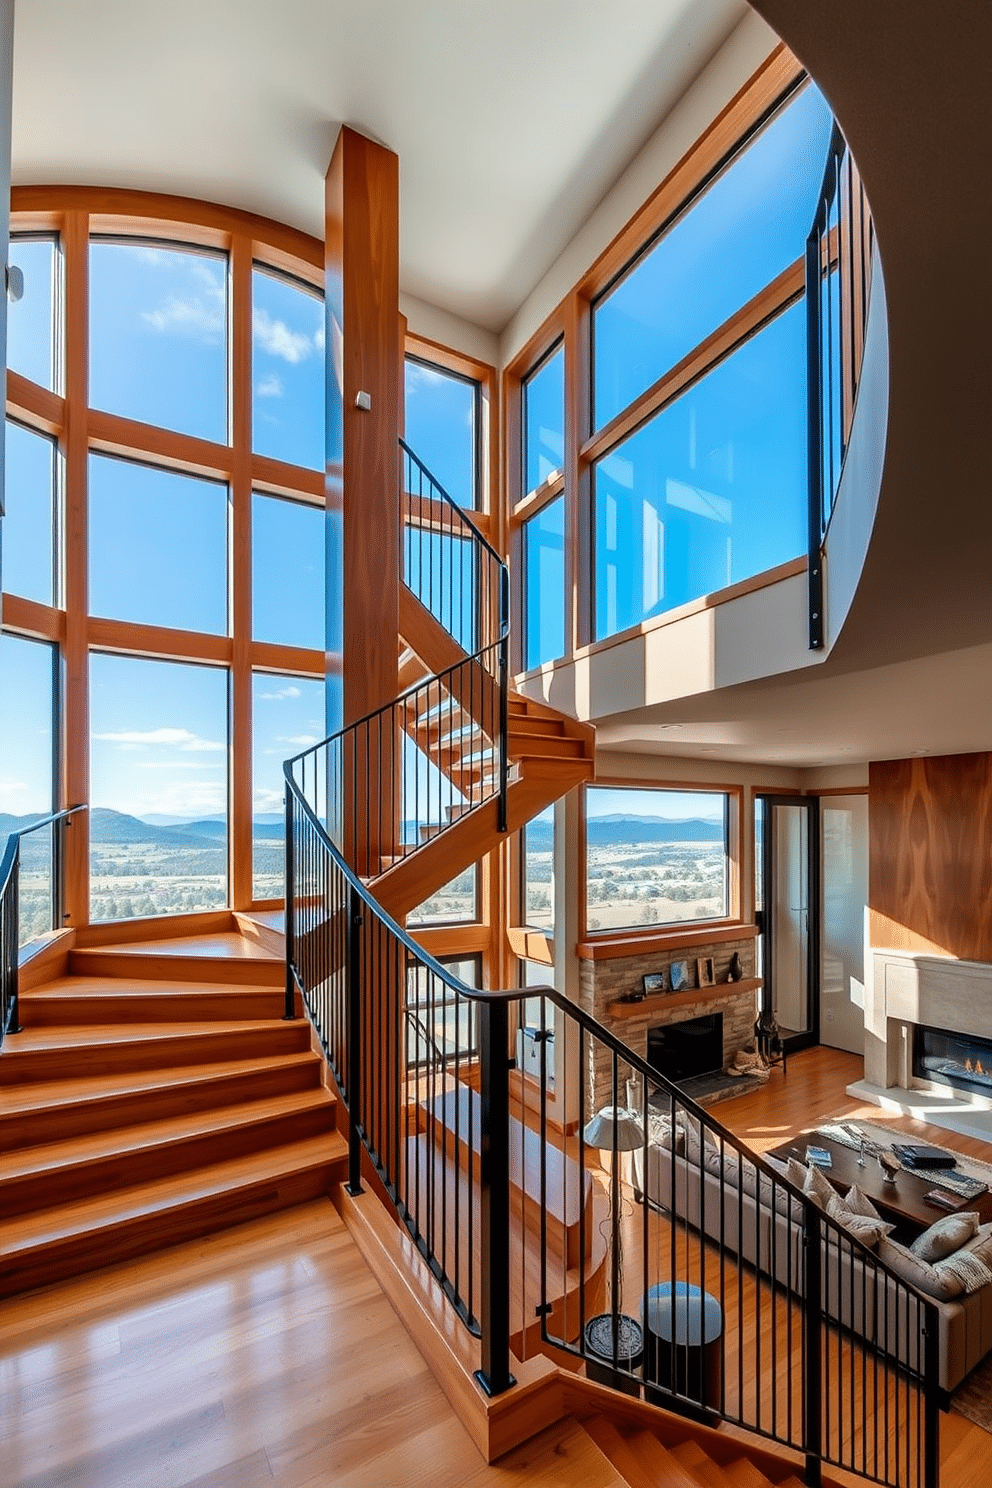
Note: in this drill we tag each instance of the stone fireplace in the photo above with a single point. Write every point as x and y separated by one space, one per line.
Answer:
605 982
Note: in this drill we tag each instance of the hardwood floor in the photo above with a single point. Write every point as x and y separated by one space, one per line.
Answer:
268 1354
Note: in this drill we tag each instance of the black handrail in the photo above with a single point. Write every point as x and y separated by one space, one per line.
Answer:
838 286
10 907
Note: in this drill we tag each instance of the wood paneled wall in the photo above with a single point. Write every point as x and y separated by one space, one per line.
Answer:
930 855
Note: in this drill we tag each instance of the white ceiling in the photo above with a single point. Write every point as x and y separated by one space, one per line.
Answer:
511 118
929 705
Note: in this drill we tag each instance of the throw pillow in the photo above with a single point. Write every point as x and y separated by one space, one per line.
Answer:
945 1237
660 1133
869 1231
944 1286
860 1203
795 1171
819 1189
967 1268
725 1162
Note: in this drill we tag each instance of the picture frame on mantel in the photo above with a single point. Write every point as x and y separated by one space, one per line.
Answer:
704 971
654 982
679 973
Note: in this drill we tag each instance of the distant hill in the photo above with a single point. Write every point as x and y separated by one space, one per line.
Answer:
626 831
108 826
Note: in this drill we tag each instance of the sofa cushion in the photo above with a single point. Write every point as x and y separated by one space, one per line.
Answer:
967 1268
725 1163
946 1236
943 1285
981 1244
862 1226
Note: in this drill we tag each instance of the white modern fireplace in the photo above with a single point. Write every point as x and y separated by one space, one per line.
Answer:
906 992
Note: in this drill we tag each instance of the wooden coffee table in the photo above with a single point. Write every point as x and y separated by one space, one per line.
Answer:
903 1202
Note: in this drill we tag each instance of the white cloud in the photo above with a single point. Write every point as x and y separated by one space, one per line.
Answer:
269 387
187 316
267 800
177 764
419 376
179 738
276 338
9 791
302 741
281 695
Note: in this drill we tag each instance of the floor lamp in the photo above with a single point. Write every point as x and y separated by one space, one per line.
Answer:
614 1130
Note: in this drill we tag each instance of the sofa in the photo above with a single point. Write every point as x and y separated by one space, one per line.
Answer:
760 1219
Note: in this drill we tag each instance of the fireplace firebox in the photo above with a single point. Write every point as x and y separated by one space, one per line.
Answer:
693 1047
962 1060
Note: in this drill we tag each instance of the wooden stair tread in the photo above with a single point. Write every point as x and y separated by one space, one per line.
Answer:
86 1035
146 1136
67 1221
40 1095
221 945
83 984
159 965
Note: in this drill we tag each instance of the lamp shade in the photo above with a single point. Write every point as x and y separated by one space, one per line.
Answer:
614 1129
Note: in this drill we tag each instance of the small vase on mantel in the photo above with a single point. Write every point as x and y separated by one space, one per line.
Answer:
736 967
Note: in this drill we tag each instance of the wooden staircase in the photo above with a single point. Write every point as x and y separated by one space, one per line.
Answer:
674 1454
549 754
152 1097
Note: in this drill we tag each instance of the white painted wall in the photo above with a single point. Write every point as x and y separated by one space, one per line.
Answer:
844 878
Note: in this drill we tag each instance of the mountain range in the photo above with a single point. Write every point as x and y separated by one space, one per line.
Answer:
109 827
619 830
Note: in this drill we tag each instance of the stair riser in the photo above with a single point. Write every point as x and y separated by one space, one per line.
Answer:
110 1244
539 747
121 1170
73 1063
149 967
119 1008
57 1122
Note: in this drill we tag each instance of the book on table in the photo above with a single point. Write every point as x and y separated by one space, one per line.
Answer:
819 1156
919 1155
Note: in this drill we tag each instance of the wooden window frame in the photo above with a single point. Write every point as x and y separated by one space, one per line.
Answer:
679 929
74 215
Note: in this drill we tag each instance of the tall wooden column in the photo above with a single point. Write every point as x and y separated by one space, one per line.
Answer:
364 354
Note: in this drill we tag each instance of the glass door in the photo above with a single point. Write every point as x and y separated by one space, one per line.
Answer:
787 912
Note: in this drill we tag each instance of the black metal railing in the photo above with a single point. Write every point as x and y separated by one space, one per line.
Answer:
803 1336
838 284
42 874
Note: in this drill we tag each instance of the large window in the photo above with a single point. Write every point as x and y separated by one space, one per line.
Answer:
442 427
158 787
159 336
33 320
749 225
544 581
537 858
29 525
439 1024
287 569
158 545
711 490
655 857
27 771
287 324
288 717
544 420
162 549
